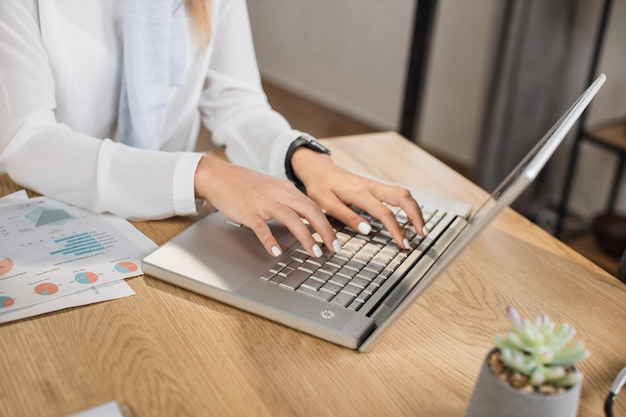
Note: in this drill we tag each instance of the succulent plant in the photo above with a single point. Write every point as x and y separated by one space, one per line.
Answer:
539 350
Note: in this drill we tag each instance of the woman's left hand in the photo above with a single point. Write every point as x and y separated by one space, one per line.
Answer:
334 189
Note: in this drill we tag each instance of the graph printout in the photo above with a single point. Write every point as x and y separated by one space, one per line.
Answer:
49 249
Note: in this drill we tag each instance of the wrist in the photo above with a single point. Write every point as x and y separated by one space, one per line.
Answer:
202 178
297 148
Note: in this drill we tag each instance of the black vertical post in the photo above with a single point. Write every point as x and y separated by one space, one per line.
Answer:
581 131
423 23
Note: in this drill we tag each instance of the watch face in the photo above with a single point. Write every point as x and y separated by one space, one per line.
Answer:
316 146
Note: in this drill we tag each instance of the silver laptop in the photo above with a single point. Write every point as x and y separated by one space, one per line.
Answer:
353 297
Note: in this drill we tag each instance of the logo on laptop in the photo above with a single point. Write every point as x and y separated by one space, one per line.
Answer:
327 314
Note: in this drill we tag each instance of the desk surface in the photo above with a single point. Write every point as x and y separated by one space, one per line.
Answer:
170 352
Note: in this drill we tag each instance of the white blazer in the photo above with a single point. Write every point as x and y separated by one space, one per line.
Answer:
60 73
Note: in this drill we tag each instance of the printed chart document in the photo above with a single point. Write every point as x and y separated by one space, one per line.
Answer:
49 250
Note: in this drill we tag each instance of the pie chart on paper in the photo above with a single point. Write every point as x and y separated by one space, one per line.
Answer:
6 301
6 264
86 277
47 288
125 267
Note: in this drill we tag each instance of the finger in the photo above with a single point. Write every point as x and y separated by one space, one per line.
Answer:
265 236
387 217
340 211
292 220
319 222
377 209
401 197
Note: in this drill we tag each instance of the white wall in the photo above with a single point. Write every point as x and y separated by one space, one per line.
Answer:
348 54
351 55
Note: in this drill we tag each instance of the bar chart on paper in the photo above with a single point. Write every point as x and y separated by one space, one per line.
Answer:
50 249
78 244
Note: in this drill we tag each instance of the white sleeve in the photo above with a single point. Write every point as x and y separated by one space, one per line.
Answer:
50 158
233 105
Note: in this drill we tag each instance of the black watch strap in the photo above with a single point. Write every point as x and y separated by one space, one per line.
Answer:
308 142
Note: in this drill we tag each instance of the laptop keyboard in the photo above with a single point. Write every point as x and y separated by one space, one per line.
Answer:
350 278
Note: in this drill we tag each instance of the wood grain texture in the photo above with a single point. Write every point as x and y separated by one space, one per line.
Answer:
169 352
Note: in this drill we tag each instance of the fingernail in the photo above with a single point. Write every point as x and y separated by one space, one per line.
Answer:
276 251
365 228
337 246
317 251
406 243
426 230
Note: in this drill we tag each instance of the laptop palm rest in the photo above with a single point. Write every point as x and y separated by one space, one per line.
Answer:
210 253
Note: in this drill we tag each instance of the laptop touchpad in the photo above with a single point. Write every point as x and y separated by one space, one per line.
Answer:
221 253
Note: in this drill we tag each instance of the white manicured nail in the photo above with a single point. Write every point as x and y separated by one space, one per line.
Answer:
317 251
276 251
365 228
406 243
337 246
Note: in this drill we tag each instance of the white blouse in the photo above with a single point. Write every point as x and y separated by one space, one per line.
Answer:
60 73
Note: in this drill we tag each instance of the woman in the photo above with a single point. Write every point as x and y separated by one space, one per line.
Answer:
101 102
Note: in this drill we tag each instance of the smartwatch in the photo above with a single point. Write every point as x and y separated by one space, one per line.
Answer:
306 141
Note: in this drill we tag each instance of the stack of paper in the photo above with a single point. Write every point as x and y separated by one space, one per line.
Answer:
54 256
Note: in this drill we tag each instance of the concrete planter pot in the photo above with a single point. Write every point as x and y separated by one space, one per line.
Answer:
493 397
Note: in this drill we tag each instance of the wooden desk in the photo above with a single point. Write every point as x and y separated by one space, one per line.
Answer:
169 352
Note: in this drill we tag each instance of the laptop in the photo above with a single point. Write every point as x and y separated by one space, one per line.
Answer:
351 298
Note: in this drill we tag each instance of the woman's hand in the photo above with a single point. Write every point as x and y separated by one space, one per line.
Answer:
334 189
252 199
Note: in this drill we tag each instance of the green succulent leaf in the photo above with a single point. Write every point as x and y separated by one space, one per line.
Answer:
562 335
537 378
553 373
571 359
545 355
569 379
539 349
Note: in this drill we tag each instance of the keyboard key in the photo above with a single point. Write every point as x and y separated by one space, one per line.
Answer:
355 264
312 284
382 239
316 263
267 276
367 274
276 279
322 295
330 268
293 280
371 289
330 287
343 237
347 272
353 290
338 260
373 266
286 271
363 297
322 275
340 280
386 273
360 282
363 256
343 299
379 280
355 305
307 268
